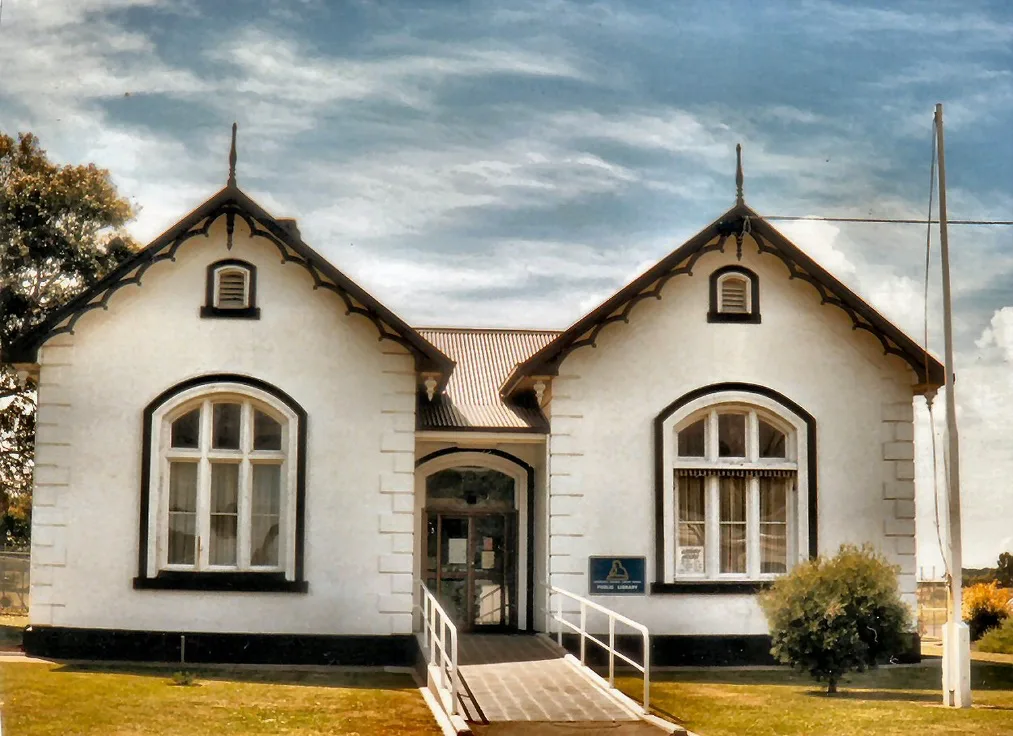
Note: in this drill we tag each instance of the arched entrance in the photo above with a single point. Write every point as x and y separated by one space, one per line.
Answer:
473 507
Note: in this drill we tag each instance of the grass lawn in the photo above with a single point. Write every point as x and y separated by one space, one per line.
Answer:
901 700
63 700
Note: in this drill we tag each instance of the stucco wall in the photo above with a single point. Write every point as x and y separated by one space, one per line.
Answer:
605 399
360 397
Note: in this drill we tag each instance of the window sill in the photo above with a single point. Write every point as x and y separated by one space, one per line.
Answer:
214 312
752 319
238 582
711 587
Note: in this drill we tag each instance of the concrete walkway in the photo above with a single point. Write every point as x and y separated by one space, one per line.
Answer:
525 679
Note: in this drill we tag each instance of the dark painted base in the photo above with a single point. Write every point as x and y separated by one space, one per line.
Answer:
710 651
59 642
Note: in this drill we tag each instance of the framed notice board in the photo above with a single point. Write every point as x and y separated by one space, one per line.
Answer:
617 575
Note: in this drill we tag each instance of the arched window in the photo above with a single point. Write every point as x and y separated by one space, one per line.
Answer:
223 490
736 488
231 290
734 295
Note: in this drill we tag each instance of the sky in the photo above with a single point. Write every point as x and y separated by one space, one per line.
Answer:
514 163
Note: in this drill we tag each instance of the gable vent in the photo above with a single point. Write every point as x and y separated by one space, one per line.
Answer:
733 296
231 289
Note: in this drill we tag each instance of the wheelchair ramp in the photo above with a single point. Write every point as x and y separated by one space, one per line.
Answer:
518 684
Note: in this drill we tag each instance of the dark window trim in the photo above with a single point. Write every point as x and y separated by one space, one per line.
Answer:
751 317
248 582
142 581
530 471
250 311
709 587
660 469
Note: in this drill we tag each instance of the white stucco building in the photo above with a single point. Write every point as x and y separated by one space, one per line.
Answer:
243 447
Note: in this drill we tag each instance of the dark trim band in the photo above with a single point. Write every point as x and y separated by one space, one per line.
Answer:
750 317
59 642
142 581
530 471
660 469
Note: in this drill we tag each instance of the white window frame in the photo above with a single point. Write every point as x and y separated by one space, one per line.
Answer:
796 461
216 293
158 508
720 292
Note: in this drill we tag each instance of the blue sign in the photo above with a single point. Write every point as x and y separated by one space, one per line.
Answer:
617 575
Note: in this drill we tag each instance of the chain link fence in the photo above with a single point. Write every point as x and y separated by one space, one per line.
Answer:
13 580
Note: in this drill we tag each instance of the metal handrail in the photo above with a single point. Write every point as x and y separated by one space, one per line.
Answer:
610 646
434 618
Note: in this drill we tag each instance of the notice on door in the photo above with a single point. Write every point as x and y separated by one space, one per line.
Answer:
617 575
457 551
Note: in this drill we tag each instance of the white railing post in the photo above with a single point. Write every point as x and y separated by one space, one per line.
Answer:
612 649
438 642
610 646
583 631
647 672
453 671
559 619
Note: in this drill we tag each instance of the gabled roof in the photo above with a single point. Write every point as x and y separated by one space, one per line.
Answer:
737 223
232 203
484 358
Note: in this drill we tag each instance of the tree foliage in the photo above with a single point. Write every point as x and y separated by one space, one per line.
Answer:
61 229
831 616
1004 570
984 606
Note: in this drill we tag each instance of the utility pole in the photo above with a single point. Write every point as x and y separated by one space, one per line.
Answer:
956 636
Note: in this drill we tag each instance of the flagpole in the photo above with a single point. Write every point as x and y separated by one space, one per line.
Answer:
956 637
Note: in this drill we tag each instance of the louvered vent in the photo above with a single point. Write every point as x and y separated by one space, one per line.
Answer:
733 296
232 289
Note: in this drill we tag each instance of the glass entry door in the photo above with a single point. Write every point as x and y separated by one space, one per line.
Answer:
470 566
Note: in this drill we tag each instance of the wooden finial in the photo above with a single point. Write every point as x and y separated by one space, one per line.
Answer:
739 199
232 158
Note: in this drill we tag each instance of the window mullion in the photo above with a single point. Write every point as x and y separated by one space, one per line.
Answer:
753 527
204 488
245 482
752 437
710 449
713 527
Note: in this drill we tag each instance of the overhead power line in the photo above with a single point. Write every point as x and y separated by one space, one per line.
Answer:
889 221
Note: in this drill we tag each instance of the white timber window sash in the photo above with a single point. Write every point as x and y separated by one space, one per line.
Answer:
227 530
772 545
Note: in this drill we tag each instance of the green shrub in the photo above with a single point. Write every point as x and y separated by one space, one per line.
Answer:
830 616
184 678
985 606
999 639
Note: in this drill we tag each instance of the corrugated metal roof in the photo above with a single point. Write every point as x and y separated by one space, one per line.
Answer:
484 357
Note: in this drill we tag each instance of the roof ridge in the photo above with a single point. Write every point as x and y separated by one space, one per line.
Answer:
538 330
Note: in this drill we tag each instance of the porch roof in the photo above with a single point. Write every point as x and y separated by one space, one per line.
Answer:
484 358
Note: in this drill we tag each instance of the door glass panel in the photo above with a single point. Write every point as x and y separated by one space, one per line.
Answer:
472 487
432 542
454 545
453 595
491 594
470 568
